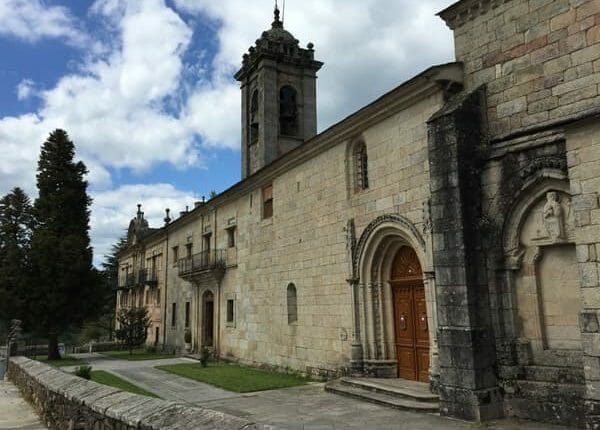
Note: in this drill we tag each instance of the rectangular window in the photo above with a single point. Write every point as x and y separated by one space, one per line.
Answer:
361 167
187 314
174 315
158 296
206 240
146 297
188 250
267 196
230 310
175 254
231 237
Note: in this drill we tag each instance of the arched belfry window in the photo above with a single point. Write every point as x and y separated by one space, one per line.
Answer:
361 167
254 117
292 304
288 111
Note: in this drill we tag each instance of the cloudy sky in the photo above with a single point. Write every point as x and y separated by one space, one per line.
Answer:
145 87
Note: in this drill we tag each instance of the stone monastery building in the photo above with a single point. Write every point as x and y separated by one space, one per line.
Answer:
448 232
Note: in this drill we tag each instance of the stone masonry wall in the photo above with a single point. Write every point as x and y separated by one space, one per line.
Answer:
583 156
66 401
539 59
305 243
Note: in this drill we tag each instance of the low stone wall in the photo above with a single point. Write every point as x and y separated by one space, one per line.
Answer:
66 401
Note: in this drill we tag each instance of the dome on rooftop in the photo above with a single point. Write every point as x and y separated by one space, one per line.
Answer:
277 33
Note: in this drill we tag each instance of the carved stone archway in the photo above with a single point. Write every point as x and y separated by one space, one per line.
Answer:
373 341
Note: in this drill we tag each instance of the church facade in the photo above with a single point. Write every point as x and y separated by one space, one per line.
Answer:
446 233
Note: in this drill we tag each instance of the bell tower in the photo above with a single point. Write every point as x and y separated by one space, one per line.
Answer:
279 109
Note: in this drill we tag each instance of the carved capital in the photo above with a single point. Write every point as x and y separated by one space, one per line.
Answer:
514 258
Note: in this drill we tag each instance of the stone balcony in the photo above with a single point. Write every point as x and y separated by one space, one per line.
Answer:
204 266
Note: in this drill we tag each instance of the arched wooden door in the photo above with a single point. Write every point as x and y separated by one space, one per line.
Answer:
410 316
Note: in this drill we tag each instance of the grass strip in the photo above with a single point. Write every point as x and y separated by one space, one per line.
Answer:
235 378
137 355
107 378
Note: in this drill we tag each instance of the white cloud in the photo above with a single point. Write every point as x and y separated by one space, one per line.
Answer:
32 20
132 104
114 105
368 47
25 89
112 210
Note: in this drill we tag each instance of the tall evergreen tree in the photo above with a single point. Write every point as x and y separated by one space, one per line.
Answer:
16 224
66 289
110 272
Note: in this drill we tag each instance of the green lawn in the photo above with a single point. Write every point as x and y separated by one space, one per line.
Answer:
138 354
235 378
65 361
106 378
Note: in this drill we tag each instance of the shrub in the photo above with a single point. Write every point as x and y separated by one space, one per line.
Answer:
84 371
133 326
204 356
151 349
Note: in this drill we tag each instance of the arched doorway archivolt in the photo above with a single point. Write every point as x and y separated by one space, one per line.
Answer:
381 254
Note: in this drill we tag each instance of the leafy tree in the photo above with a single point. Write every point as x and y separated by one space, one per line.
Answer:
16 224
133 326
65 289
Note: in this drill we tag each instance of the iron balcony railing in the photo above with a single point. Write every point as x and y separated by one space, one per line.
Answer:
147 276
151 276
205 260
140 277
127 281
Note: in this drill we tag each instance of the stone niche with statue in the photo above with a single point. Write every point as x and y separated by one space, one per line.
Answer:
547 285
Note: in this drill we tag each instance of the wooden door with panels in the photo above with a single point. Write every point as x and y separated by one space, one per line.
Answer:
410 316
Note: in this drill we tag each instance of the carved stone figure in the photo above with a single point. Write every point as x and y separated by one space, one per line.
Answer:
350 245
553 216
426 216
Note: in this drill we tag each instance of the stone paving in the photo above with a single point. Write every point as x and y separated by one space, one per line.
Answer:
15 412
300 408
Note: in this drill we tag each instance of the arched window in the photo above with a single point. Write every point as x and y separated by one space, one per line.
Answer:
292 304
361 167
254 118
288 111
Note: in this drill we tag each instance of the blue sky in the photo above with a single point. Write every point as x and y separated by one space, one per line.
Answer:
145 87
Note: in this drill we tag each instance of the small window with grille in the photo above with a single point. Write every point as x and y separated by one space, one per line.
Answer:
361 168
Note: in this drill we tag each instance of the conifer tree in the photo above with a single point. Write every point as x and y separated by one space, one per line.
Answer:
65 289
16 224
110 273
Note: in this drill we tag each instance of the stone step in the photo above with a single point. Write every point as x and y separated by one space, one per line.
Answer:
563 375
548 391
381 398
410 390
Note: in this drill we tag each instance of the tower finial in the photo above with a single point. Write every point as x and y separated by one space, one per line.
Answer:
276 22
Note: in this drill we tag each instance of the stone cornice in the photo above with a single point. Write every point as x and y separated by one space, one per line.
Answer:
466 10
